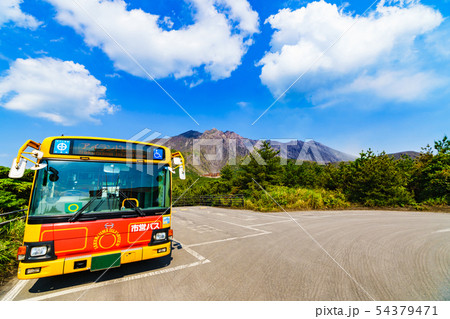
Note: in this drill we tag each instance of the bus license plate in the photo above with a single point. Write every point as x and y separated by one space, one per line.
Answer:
105 262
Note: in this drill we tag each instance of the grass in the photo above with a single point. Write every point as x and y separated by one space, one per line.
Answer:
295 199
11 236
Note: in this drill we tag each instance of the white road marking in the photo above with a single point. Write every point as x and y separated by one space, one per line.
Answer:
239 225
260 232
192 252
243 218
201 260
247 215
442 230
264 224
21 284
116 281
203 229
226 239
15 290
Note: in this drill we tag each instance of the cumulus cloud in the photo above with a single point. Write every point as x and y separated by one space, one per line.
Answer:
400 86
214 43
366 43
10 12
63 92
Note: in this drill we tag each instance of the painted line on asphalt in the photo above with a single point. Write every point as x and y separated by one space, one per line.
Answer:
193 252
15 290
226 239
442 230
201 260
264 224
117 281
239 225
249 215
260 233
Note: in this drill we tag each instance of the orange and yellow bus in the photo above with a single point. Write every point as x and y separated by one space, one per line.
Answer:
96 203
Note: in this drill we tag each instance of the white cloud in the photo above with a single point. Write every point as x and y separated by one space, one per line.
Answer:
215 42
402 86
243 104
438 42
113 75
370 42
10 12
166 21
241 12
63 92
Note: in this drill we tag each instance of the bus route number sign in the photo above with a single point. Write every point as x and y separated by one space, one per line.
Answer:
61 147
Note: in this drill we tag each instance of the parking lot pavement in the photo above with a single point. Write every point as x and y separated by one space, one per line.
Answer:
227 254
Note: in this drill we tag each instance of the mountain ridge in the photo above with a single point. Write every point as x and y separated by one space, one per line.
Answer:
207 152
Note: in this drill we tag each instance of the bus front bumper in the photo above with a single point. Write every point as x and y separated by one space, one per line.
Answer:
31 270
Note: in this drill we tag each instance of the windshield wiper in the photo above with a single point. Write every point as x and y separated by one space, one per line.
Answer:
85 206
137 209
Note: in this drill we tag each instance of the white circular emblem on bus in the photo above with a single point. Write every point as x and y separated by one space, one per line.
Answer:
61 146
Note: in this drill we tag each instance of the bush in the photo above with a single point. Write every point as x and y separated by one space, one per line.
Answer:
11 236
295 199
376 180
14 193
431 176
371 180
438 201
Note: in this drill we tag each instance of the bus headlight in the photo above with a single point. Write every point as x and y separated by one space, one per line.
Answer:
38 251
160 236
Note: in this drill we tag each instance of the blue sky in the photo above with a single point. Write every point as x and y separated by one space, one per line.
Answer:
358 74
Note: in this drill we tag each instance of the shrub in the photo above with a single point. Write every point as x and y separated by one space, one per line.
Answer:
295 199
11 236
376 180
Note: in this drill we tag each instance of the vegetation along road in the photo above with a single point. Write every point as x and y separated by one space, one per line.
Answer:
224 254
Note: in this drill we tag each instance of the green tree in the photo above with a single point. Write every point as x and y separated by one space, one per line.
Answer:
376 180
431 175
14 193
307 174
332 176
266 172
290 174
226 173
442 147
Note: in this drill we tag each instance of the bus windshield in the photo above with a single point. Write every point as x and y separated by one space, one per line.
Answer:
64 187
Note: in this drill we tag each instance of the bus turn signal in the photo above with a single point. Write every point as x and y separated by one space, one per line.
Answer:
21 252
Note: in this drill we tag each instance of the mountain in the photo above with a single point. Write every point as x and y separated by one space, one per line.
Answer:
411 154
208 152
190 134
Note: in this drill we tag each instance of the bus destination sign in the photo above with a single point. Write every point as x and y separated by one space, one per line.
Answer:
103 148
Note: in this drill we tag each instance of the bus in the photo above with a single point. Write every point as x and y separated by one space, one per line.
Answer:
96 203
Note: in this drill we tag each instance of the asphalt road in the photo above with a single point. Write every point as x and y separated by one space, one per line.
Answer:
224 254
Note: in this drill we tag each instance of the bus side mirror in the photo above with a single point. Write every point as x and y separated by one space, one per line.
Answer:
182 172
177 161
37 154
38 167
17 169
